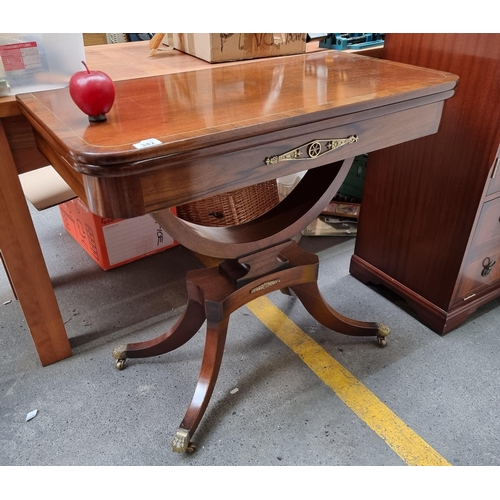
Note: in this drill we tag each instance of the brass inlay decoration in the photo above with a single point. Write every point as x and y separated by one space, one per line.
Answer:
264 285
311 150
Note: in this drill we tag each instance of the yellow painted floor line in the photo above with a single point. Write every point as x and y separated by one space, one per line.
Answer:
410 447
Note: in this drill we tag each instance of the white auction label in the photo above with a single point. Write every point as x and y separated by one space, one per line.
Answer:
146 143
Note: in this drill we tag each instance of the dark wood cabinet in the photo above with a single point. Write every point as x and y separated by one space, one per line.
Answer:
429 226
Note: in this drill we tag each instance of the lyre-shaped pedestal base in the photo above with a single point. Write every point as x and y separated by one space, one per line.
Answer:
213 296
262 258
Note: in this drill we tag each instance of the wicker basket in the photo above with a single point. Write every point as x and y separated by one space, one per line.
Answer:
234 207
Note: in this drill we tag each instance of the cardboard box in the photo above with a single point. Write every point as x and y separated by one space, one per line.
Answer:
114 242
219 47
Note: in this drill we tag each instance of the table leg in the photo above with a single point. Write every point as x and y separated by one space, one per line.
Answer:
25 264
186 327
210 365
318 308
213 295
309 295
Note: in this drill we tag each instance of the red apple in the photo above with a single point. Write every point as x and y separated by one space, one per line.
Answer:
93 92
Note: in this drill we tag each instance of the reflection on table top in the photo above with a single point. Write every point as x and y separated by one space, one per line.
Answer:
211 105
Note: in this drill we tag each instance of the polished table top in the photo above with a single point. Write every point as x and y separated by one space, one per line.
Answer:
195 116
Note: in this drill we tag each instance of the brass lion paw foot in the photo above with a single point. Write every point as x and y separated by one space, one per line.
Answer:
119 354
383 331
181 443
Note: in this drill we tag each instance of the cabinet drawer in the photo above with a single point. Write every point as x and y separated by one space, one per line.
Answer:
488 226
482 266
475 276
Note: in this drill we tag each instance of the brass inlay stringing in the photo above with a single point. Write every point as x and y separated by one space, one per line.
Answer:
264 285
311 150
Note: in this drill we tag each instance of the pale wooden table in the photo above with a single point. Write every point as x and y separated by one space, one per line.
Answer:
19 245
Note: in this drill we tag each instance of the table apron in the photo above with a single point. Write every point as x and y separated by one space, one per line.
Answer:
178 183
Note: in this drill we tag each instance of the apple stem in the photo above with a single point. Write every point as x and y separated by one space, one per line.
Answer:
88 71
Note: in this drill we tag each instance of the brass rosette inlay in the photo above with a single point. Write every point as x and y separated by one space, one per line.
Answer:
311 150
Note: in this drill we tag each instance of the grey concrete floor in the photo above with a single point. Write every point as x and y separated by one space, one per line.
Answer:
444 388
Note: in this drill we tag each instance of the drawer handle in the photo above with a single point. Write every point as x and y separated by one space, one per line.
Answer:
311 150
487 265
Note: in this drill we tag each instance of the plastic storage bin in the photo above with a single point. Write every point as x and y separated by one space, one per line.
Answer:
38 61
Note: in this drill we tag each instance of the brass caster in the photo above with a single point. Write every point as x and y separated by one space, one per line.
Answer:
120 364
120 354
382 342
383 331
181 443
